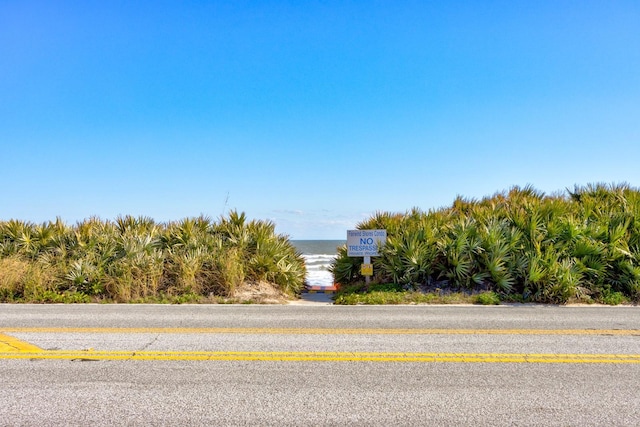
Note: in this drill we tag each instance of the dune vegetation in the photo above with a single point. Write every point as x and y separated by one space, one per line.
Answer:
135 259
521 245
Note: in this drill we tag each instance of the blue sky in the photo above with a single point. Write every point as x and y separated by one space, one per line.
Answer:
312 114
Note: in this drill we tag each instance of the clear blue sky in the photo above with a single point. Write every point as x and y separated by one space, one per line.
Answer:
313 114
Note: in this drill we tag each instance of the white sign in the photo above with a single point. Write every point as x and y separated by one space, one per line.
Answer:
365 242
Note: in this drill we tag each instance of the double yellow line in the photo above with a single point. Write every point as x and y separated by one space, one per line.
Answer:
296 356
13 348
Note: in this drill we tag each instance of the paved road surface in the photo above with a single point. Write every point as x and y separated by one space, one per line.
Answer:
319 365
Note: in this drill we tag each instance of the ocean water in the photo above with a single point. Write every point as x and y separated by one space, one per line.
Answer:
318 255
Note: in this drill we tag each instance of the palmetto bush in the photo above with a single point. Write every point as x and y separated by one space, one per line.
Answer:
584 245
133 258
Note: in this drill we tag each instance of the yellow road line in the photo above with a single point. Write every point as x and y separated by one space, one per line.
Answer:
12 348
10 344
328 331
289 356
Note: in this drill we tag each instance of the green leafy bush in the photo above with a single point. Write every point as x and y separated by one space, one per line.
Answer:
487 298
137 259
520 244
614 298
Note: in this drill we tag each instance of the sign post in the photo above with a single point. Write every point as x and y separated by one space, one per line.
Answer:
365 243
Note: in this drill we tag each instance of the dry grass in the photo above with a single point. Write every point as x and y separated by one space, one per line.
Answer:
13 273
27 281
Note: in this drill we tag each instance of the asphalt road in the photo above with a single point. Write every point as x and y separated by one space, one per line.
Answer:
319 365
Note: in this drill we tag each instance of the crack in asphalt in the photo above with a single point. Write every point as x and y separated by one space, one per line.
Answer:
146 346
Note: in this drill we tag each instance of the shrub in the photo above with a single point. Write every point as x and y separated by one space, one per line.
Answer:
137 259
521 242
487 298
613 298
